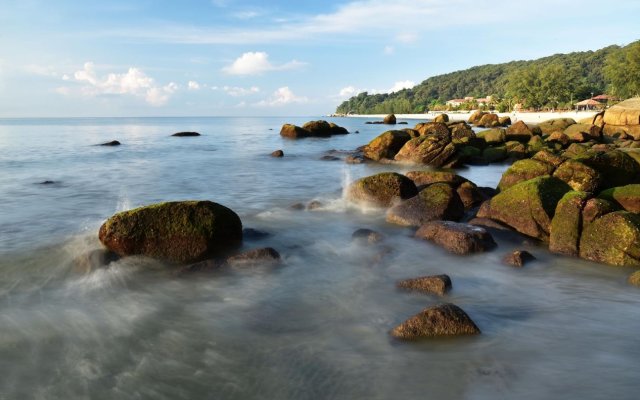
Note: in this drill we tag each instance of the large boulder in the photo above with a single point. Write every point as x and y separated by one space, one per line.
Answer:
628 197
440 320
438 201
566 225
181 232
381 190
613 239
555 125
493 136
475 117
589 130
291 131
389 119
423 178
457 238
624 113
489 121
429 150
616 168
579 176
528 206
519 131
386 145
433 129
323 128
524 170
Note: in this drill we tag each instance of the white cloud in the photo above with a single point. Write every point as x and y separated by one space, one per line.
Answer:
239 91
281 97
348 92
401 85
134 82
388 50
255 63
193 85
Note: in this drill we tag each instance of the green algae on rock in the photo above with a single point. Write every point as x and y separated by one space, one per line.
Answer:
438 201
386 145
381 190
566 225
579 176
613 239
524 170
628 197
181 232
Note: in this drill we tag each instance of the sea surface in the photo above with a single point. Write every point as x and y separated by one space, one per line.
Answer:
316 326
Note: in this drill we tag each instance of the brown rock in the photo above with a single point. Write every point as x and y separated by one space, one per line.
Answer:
518 258
367 236
436 284
441 320
441 118
293 132
381 190
265 255
435 202
389 119
489 121
457 238
277 153
596 208
634 279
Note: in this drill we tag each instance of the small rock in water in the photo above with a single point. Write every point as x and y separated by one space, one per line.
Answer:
314 205
634 278
366 236
265 255
403 123
48 182
518 258
254 234
111 143
354 159
297 206
330 158
436 284
202 266
277 153
458 238
356 132
441 320
98 258
185 134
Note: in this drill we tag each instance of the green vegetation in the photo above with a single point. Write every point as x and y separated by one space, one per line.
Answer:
556 81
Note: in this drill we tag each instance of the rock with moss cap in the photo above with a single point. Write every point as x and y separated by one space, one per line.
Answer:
589 131
423 178
519 131
613 239
322 128
523 170
381 190
566 225
579 176
429 150
489 121
627 197
181 232
386 145
555 125
437 321
435 202
493 136
616 168
528 206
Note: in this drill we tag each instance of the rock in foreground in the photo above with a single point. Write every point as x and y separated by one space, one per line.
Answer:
613 239
441 320
181 232
457 237
382 190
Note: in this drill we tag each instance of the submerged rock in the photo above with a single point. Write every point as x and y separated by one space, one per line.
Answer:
98 258
518 258
277 153
366 236
185 134
265 255
436 284
254 234
181 232
381 190
441 320
634 279
457 238
111 143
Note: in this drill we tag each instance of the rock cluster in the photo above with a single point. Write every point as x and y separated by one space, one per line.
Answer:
312 129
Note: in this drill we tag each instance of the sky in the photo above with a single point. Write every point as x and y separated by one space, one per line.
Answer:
115 58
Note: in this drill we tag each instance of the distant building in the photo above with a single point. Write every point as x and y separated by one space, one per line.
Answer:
605 98
456 102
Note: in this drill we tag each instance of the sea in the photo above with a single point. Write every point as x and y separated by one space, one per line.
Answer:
317 325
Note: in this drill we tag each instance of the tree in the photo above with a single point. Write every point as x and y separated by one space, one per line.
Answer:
622 71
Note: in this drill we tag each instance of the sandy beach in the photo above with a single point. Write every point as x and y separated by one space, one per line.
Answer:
527 117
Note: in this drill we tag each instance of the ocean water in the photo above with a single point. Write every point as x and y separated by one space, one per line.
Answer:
314 327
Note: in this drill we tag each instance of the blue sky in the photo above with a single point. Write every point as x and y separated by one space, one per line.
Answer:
228 57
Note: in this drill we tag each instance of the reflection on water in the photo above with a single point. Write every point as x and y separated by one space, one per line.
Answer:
315 326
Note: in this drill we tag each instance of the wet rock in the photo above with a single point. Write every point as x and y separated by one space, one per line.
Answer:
381 190
403 123
264 255
254 234
181 231
519 131
523 170
435 284
613 239
566 225
297 207
627 197
95 259
616 168
277 153
596 208
555 125
444 118
209 265
489 121
438 201
579 176
294 132
457 238
634 279
494 154
441 320
314 205
366 236
493 136
185 134
329 158
48 183
518 258
389 119
111 143
528 206
354 159
386 145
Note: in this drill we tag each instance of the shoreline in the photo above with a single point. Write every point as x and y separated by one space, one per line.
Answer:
526 117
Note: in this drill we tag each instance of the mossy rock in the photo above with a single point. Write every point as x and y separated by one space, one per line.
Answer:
528 206
575 149
595 208
536 144
444 118
519 131
613 239
516 150
439 129
555 125
558 138
523 170
462 133
438 201
493 136
495 154
381 190
615 167
627 197
634 279
566 225
293 132
427 150
489 121
589 130
579 176
469 153
386 145
422 178
548 157
181 232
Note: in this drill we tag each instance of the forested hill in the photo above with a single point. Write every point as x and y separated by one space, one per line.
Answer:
555 81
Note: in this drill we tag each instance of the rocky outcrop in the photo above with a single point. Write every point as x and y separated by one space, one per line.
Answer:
440 320
566 226
623 117
381 190
438 201
386 145
613 239
318 128
434 284
457 238
181 232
